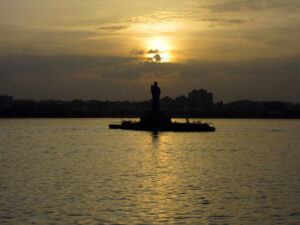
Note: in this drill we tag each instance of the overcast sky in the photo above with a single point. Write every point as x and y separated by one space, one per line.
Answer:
114 49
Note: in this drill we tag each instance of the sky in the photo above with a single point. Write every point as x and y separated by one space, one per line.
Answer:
115 49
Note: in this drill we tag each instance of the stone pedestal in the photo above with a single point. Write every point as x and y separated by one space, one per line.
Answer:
155 118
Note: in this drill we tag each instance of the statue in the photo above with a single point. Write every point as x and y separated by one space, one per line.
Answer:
155 117
155 90
157 120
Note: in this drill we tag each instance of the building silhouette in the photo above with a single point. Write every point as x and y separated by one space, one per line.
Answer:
198 103
200 100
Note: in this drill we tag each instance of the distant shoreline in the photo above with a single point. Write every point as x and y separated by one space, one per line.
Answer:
197 104
133 117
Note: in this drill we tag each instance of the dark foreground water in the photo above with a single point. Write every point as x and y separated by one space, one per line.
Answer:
77 171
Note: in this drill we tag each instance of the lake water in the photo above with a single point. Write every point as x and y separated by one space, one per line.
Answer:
77 171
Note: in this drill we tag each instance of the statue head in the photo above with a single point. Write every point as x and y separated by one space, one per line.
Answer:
155 83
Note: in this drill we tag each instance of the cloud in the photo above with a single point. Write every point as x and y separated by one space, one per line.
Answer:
153 51
127 67
113 28
18 40
56 65
223 21
157 57
36 76
137 52
241 5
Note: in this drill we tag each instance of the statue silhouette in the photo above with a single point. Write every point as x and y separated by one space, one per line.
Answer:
157 120
155 90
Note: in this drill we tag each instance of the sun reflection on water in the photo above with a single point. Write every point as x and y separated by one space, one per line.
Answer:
77 171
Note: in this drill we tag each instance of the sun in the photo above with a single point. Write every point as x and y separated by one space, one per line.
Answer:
158 50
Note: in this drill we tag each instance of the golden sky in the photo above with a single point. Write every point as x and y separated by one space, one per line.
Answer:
122 45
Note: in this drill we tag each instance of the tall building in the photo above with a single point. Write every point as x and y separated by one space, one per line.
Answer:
5 98
200 99
5 101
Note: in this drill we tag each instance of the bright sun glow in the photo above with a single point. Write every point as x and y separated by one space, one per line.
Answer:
158 50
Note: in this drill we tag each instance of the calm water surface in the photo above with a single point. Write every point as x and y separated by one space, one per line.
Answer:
77 171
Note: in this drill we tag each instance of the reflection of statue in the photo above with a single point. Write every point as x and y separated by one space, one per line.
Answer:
155 90
155 137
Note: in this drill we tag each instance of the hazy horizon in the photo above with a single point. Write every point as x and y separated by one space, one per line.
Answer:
215 100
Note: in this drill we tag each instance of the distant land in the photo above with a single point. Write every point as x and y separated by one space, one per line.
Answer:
197 104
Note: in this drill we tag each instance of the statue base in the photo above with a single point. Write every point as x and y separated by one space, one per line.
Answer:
155 118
